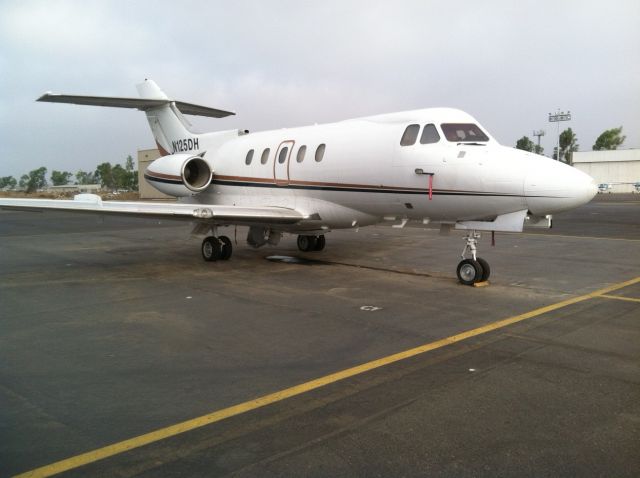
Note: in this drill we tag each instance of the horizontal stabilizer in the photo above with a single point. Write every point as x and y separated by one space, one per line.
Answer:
139 103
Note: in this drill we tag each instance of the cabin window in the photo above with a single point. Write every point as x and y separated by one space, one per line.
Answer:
320 152
429 135
301 152
410 135
462 132
282 157
265 156
249 157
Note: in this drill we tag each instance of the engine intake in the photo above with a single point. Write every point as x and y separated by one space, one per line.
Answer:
179 174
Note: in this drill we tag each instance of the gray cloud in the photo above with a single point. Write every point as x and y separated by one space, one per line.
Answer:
283 64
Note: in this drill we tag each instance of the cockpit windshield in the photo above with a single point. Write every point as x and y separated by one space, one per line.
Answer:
463 132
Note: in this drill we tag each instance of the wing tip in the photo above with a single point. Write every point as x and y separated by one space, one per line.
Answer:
45 96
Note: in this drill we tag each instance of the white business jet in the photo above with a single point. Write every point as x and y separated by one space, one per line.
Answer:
429 165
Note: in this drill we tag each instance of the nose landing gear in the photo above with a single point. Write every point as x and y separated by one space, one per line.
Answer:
475 269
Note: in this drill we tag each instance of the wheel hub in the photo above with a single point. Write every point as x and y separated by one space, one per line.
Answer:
468 272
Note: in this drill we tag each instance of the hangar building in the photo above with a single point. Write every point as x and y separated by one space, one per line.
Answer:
620 168
145 157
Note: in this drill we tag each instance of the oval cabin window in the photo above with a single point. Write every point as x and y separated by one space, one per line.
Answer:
320 152
249 157
265 156
282 157
301 152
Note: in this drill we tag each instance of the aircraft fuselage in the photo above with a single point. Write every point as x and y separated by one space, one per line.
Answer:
365 174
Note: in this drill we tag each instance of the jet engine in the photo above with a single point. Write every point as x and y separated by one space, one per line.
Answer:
179 174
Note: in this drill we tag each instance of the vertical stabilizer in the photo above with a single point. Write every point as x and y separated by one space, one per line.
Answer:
169 127
149 90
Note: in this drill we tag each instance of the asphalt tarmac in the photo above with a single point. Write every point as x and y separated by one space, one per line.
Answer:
122 353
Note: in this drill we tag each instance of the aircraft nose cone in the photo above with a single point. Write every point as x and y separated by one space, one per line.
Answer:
590 190
582 187
553 187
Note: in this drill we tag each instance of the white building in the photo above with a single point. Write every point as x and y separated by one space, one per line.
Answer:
618 168
75 188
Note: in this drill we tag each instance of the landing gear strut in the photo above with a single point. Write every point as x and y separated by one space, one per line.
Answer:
311 243
474 269
216 248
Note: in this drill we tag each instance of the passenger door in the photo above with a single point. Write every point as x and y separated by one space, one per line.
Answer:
281 163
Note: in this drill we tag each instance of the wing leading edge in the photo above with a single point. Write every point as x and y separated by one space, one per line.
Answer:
218 214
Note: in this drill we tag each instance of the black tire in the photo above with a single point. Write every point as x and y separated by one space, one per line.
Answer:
320 243
307 243
211 249
486 270
227 248
469 272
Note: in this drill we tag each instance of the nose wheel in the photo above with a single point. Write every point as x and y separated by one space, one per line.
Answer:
474 269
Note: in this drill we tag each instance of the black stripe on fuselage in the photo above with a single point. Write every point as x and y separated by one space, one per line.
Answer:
163 180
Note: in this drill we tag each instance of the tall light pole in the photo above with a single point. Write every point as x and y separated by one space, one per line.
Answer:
559 116
538 134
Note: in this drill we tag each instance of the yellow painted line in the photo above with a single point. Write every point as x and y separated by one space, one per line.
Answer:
617 297
216 416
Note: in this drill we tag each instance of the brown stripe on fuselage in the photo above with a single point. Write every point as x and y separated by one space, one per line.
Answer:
295 182
153 174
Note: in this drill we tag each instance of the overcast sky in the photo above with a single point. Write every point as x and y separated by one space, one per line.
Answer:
280 64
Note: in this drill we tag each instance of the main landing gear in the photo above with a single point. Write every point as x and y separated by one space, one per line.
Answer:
220 248
311 243
216 248
475 269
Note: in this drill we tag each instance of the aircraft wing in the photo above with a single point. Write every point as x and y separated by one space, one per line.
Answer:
213 213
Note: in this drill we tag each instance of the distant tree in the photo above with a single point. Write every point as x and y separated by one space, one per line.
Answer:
129 164
525 144
538 149
568 144
117 177
120 177
130 167
8 182
134 180
104 174
60 178
36 179
610 139
85 178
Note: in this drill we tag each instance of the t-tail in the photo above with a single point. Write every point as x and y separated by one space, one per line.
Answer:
170 128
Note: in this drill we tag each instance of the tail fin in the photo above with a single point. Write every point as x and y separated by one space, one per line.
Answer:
169 126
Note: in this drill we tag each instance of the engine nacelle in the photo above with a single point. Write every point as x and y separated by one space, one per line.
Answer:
179 174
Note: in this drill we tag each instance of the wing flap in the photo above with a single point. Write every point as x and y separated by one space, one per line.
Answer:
91 204
138 103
